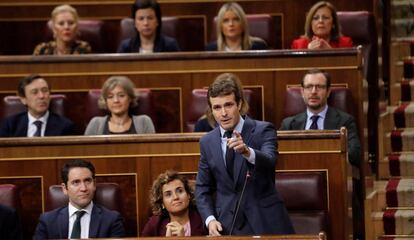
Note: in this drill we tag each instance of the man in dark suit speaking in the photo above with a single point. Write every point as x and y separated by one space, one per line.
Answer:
235 187
37 121
81 218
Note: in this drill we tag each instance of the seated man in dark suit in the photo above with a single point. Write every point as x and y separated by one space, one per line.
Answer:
38 121
10 227
81 218
318 115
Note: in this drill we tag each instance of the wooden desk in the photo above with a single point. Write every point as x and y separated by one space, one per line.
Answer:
174 75
135 161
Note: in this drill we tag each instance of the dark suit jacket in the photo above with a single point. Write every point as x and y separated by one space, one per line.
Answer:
157 225
261 206
10 227
256 45
162 44
104 224
335 119
16 125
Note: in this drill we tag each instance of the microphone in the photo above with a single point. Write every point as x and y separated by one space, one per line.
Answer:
239 203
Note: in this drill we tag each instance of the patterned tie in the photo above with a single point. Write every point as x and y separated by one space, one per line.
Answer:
76 231
38 132
229 155
314 125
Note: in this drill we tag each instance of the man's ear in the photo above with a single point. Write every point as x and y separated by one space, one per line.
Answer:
23 100
64 189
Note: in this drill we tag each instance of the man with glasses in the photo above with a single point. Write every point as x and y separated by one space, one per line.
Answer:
318 115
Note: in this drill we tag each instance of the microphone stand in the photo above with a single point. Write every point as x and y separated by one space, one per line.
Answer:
239 203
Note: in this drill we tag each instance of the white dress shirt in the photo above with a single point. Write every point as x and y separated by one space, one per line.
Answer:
321 119
31 127
85 220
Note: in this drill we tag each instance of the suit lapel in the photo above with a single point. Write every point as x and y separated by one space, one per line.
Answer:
331 119
63 222
95 221
21 126
299 121
248 128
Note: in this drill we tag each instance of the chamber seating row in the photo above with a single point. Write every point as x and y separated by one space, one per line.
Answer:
106 35
81 110
305 194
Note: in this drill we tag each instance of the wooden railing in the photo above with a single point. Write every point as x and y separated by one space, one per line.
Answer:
135 161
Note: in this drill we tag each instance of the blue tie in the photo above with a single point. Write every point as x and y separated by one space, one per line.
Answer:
314 125
38 132
229 155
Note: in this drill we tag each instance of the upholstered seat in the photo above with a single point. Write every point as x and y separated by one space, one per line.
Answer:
13 105
90 31
340 98
305 194
145 105
107 195
198 106
9 196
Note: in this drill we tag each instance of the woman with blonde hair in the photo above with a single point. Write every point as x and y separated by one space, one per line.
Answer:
233 31
173 206
118 97
65 21
322 29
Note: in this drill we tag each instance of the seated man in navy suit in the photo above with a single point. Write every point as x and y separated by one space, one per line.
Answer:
235 186
318 115
38 121
81 218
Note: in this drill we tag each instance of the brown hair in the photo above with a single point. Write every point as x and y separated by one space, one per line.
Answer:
336 28
226 84
113 82
156 190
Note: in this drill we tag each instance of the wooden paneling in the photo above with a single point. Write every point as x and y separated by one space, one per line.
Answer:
135 161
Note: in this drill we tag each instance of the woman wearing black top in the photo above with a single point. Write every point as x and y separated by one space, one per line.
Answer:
148 37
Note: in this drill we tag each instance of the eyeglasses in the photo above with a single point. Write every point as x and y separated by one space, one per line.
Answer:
317 87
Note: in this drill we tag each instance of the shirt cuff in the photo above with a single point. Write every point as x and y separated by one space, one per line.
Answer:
209 219
252 158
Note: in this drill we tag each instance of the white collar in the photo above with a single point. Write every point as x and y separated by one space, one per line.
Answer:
43 118
73 209
238 128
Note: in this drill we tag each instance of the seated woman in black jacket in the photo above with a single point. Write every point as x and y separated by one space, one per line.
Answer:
233 31
148 37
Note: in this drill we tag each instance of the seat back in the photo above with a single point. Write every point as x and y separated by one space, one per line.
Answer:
340 98
107 195
145 104
260 25
361 27
13 105
9 196
90 31
199 105
305 194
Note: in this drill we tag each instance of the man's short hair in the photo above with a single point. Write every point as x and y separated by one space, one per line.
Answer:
73 164
226 84
26 81
316 71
